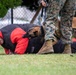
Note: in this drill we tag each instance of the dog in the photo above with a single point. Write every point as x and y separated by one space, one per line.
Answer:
36 31
39 31
36 38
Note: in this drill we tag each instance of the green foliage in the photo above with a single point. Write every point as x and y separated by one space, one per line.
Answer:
11 3
3 10
6 4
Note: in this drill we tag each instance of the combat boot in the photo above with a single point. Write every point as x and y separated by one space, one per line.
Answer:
46 48
67 49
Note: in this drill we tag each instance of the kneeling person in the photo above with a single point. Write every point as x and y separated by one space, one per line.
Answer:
16 39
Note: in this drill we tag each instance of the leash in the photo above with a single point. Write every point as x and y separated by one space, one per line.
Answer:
36 14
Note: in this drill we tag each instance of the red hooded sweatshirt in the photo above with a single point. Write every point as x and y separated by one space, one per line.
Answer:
15 37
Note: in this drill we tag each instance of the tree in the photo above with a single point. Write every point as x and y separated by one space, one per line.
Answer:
6 4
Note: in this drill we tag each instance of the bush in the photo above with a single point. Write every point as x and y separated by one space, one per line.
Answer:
6 4
3 10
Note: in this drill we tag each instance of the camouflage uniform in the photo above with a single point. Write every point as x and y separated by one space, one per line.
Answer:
66 10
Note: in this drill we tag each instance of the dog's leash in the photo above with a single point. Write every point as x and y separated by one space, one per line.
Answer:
36 14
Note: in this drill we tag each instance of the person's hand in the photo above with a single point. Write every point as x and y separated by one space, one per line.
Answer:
43 3
10 53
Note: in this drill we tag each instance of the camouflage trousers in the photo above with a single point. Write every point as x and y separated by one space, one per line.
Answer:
66 10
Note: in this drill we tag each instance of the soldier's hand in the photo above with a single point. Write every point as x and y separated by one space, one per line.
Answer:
43 3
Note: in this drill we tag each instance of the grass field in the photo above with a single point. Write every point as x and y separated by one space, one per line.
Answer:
33 64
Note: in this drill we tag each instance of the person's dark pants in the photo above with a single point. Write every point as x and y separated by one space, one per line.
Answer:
59 47
34 45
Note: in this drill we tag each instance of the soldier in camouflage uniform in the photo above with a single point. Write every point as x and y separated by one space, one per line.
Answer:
66 8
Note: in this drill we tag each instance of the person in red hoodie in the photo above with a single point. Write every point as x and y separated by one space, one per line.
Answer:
12 41
18 38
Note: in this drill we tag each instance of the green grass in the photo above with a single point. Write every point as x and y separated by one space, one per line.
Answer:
1 50
33 64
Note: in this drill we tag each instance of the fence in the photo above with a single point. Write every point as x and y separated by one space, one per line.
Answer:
19 15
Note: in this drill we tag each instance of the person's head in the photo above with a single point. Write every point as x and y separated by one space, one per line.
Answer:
35 31
1 41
